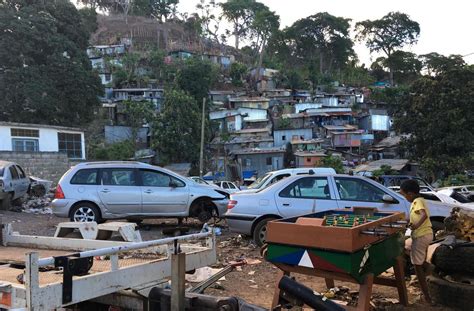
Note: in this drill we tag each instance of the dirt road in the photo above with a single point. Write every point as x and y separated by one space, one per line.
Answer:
254 282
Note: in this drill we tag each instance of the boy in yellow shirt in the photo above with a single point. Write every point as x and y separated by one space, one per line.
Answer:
421 232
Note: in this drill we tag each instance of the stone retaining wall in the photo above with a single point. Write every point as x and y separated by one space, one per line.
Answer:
47 165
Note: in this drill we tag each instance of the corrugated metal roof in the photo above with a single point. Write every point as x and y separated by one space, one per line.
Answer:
258 151
39 126
310 154
396 164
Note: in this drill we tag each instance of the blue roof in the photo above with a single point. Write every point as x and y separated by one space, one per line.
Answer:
248 174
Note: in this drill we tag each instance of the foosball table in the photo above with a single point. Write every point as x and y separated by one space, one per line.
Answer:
350 245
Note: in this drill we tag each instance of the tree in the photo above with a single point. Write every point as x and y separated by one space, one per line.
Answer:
196 78
435 63
125 73
46 76
437 113
334 162
264 25
139 114
176 133
405 64
241 14
388 34
321 38
89 20
237 73
163 9
289 157
210 21
384 170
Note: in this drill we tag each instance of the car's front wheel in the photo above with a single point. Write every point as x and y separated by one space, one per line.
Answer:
85 212
260 231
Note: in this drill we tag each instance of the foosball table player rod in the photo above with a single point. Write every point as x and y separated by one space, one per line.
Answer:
365 290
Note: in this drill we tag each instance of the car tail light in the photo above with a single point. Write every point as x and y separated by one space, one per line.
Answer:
231 204
59 194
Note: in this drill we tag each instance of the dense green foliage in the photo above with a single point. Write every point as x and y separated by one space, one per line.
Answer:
196 78
176 133
334 162
437 112
46 76
389 34
159 9
123 150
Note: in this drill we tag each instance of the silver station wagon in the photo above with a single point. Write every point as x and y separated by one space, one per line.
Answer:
98 191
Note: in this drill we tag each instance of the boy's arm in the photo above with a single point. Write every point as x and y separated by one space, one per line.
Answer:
424 216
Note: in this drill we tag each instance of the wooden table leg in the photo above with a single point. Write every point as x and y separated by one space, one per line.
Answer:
329 283
365 292
276 292
399 271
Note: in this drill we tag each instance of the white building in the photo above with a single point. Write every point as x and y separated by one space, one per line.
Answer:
234 119
21 137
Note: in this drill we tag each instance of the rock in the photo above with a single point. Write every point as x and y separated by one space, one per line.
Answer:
461 223
329 294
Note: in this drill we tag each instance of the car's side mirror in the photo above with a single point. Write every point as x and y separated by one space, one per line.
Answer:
388 198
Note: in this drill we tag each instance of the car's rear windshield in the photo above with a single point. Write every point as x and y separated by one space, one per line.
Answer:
85 177
1 171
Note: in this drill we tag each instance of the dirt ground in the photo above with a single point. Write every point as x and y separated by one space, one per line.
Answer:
253 282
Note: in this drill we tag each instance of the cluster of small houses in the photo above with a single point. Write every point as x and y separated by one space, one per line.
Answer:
255 130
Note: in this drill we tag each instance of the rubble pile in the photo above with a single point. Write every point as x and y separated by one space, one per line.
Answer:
35 205
344 296
461 224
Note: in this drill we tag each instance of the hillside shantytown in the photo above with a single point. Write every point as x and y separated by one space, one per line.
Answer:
235 155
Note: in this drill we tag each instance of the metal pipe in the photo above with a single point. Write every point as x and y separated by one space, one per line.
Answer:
132 246
307 295
374 232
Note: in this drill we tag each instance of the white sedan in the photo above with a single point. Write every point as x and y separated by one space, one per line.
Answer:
248 213
228 186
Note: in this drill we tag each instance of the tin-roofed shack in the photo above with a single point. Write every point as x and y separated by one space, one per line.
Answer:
259 160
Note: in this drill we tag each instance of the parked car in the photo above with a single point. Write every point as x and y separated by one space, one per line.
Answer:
201 181
14 183
272 177
97 191
39 187
248 213
228 186
467 191
394 181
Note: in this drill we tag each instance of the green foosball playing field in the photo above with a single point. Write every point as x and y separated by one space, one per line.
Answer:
348 220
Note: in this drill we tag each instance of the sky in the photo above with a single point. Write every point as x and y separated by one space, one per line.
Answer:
447 27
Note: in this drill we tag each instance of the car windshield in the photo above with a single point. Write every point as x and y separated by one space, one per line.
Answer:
422 183
260 181
199 181
1 171
459 197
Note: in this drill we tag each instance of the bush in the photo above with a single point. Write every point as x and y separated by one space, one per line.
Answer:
119 151
335 163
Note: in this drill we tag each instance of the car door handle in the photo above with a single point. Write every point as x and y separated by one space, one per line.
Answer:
286 204
148 191
105 191
347 207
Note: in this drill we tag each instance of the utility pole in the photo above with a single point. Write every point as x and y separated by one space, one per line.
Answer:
201 155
